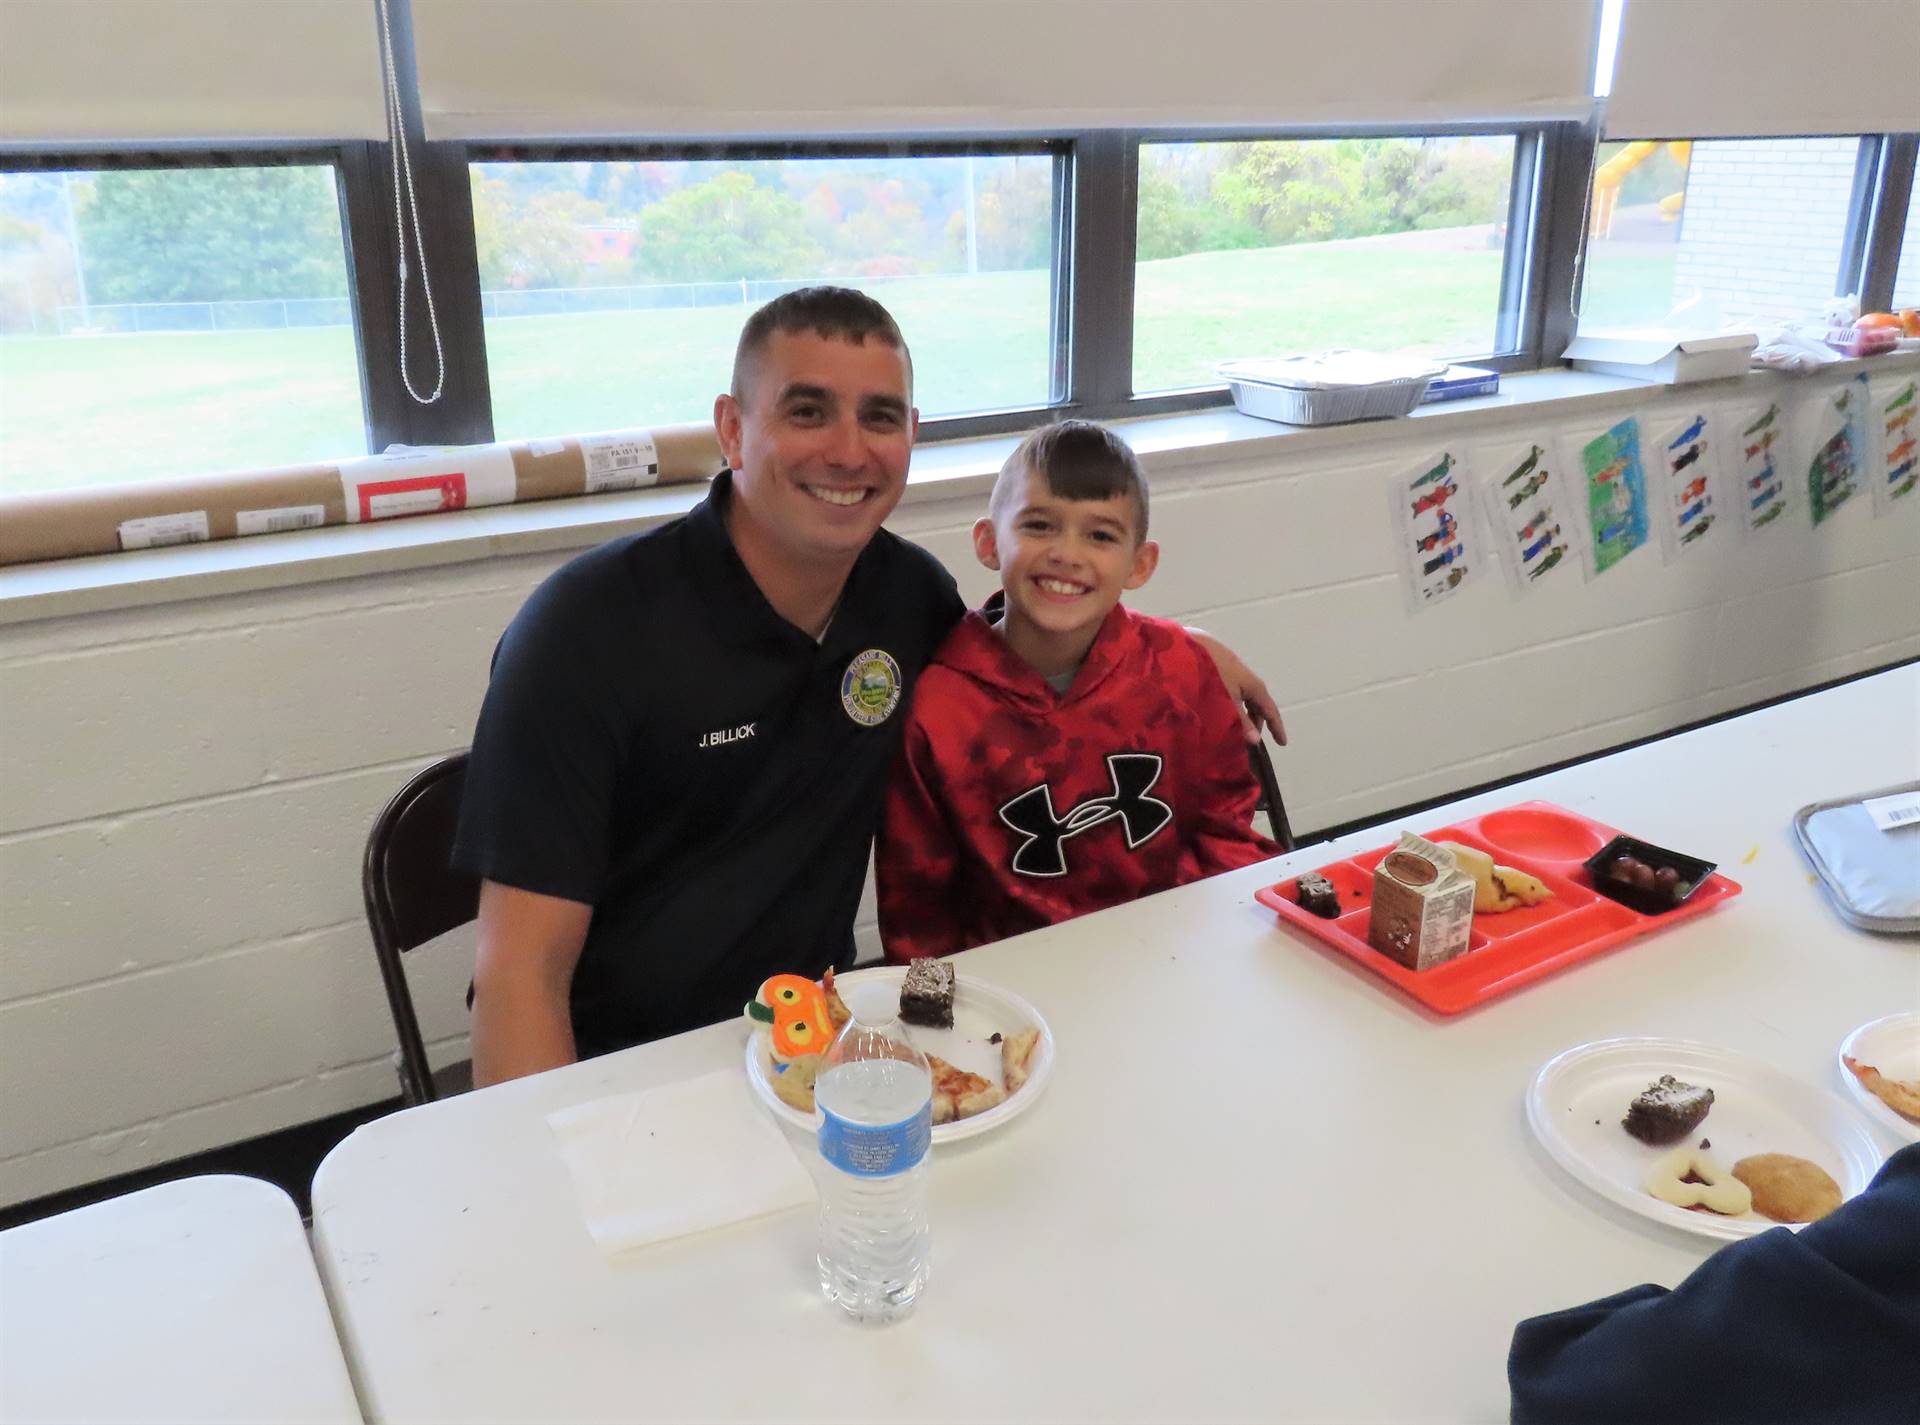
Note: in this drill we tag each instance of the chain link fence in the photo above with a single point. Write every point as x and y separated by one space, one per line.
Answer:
273 314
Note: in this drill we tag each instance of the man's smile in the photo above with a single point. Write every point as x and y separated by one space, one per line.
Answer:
838 495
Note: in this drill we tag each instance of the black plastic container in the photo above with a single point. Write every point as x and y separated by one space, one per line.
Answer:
1690 869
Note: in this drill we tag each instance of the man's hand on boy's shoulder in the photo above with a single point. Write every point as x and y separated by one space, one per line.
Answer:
1248 691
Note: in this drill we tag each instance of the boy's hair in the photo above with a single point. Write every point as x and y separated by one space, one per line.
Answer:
838 312
1079 460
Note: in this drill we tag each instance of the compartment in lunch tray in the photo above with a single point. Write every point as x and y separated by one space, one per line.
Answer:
1353 885
1358 922
1534 831
1567 895
1542 942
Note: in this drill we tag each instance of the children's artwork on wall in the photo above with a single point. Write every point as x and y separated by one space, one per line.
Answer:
1432 517
1530 516
1896 413
1757 461
1833 474
1616 494
1684 457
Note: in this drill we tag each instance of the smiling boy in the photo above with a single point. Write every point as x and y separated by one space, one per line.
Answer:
1063 753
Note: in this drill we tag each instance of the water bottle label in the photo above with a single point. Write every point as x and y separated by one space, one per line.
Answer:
868 1150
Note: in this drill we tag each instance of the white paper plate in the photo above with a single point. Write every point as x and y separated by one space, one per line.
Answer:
1577 1100
979 1010
1891 1045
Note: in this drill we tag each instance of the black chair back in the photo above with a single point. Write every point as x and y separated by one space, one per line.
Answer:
1270 802
414 895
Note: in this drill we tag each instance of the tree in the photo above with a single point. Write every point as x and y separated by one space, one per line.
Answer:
1013 219
728 227
529 239
36 275
1171 223
1296 190
213 234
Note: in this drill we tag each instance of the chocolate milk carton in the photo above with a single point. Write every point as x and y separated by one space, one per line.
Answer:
1422 905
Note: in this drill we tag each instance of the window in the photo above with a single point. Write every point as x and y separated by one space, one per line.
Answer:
176 321
1702 234
1906 281
613 292
1279 246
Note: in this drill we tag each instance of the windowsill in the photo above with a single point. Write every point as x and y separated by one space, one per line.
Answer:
955 469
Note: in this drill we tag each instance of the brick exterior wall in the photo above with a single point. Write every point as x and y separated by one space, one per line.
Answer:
1764 224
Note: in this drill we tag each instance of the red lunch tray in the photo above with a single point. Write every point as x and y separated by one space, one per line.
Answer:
1506 951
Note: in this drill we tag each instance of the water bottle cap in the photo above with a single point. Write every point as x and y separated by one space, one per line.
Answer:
874 1004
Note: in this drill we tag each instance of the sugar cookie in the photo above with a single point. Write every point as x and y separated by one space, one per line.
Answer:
1788 1189
1714 1190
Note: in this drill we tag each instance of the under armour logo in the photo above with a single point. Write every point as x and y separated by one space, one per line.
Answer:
1031 814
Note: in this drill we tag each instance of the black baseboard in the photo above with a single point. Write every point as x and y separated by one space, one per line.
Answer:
291 1156
288 1158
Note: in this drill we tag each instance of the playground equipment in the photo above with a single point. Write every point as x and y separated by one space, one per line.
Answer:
1608 177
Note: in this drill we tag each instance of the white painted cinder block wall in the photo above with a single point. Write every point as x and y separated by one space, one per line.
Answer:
187 786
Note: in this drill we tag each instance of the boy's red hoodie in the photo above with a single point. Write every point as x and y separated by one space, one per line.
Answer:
1013 807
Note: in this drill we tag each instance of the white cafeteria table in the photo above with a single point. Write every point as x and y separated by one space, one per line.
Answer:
1259 1186
193 1301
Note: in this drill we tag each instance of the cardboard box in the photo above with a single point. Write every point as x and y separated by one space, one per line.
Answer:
1666 357
1422 905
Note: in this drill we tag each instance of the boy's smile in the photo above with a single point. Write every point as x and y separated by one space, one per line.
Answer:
1063 564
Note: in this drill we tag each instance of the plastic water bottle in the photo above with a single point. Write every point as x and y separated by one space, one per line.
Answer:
875 1095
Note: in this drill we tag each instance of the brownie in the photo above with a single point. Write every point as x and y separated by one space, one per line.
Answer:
1667 1111
1316 893
926 995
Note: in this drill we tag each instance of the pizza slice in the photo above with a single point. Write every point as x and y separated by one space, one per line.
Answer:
837 1012
1016 1056
957 1093
793 1083
1900 1095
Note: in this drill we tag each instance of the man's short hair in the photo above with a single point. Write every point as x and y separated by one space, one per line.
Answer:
1079 460
835 312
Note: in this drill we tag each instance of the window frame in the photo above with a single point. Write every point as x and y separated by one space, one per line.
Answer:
1068 166
1095 217
1522 290
1891 198
350 165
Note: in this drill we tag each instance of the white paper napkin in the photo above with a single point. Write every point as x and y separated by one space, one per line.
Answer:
678 1159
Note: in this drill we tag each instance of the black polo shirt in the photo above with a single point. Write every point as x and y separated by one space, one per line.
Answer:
660 744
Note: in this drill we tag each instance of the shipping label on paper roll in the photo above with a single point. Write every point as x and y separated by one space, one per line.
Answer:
620 460
157 531
383 487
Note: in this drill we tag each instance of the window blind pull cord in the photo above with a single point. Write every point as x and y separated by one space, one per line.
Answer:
403 164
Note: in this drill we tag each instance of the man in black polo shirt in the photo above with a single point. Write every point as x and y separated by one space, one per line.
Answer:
679 764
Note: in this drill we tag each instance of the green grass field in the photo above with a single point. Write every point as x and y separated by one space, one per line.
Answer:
99 410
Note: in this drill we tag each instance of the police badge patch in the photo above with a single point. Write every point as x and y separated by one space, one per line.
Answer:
870 688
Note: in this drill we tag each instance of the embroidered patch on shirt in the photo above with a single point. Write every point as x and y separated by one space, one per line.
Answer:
870 688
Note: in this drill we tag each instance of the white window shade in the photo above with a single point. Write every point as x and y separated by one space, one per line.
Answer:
132 71
1762 68
614 68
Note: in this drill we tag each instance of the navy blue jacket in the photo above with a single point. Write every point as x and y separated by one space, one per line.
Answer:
1822 1325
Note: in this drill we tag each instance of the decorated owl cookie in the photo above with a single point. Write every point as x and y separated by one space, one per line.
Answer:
794 1011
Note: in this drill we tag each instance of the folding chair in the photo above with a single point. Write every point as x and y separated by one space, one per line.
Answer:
413 895
1270 802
